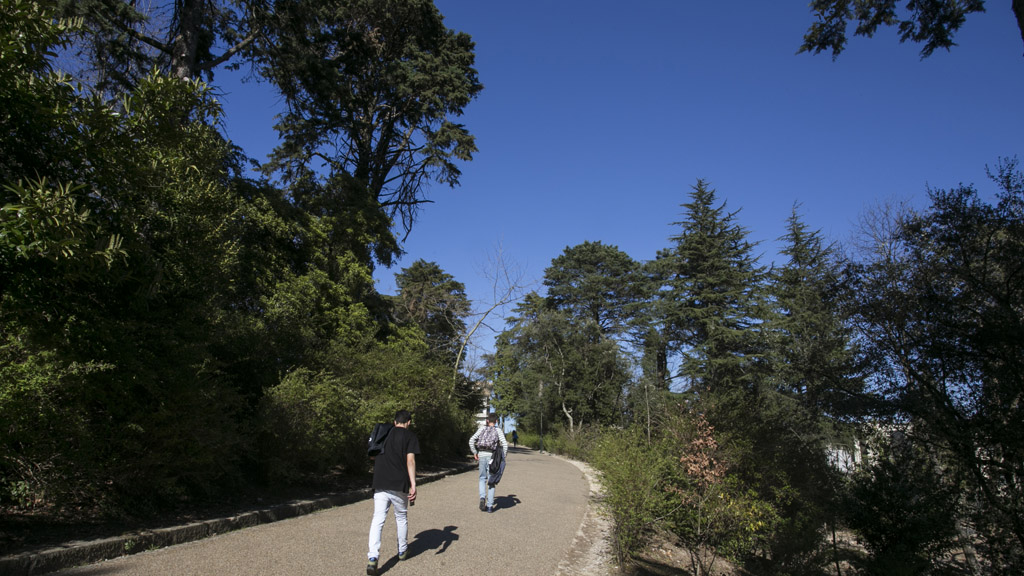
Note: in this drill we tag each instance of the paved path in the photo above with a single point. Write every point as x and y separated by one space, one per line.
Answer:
541 501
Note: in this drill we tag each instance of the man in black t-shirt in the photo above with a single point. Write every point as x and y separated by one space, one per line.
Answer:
394 484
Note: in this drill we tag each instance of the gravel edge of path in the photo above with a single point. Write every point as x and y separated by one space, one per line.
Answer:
591 552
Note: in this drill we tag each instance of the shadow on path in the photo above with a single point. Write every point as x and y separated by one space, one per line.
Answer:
424 542
503 502
431 539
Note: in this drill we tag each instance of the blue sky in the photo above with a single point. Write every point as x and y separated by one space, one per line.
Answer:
597 118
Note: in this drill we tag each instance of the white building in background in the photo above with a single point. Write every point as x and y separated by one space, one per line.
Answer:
485 388
846 459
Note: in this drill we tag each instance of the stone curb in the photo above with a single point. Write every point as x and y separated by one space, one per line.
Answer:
88 552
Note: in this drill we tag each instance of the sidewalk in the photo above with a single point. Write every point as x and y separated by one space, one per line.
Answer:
543 502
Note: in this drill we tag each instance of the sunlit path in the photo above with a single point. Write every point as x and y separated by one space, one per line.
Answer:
541 503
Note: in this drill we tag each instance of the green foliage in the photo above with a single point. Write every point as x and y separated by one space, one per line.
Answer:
593 281
33 100
44 221
303 424
313 422
904 508
934 22
815 357
433 300
715 513
549 366
578 444
941 309
34 395
373 88
679 479
529 438
633 475
401 374
170 329
124 40
712 299
797 411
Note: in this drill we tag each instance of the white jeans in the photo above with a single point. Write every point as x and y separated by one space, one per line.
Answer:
382 500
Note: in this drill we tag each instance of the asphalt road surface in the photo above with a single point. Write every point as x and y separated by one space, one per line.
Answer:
541 502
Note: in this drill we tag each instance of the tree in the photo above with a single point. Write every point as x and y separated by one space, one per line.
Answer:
712 299
125 41
506 286
118 241
372 89
931 22
940 311
903 507
648 336
806 398
816 361
716 515
593 281
548 364
432 299
164 320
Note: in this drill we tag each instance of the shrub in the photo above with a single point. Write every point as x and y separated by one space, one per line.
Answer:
903 510
633 474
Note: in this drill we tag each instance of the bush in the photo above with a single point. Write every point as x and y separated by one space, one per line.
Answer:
633 474
903 510
529 439
578 445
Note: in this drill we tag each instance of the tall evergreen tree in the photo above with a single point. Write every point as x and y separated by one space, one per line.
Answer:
811 336
805 397
712 301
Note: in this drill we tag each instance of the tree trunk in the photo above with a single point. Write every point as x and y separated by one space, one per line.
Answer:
185 44
568 415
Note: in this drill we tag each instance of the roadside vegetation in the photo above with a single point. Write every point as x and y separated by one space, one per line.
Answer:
176 327
850 410
179 322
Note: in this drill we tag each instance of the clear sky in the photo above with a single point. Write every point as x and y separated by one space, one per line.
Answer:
597 117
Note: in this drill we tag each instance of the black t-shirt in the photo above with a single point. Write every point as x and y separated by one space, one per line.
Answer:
389 468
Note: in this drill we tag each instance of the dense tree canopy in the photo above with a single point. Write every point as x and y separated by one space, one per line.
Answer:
817 362
593 281
123 40
172 329
436 302
932 23
552 365
942 314
372 90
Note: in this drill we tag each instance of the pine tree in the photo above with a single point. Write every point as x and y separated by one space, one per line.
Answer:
805 395
712 300
815 361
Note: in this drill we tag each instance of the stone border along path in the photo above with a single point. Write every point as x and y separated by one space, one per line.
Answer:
589 554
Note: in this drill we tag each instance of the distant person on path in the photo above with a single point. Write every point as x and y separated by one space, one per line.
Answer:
515 439
394 484
484 443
